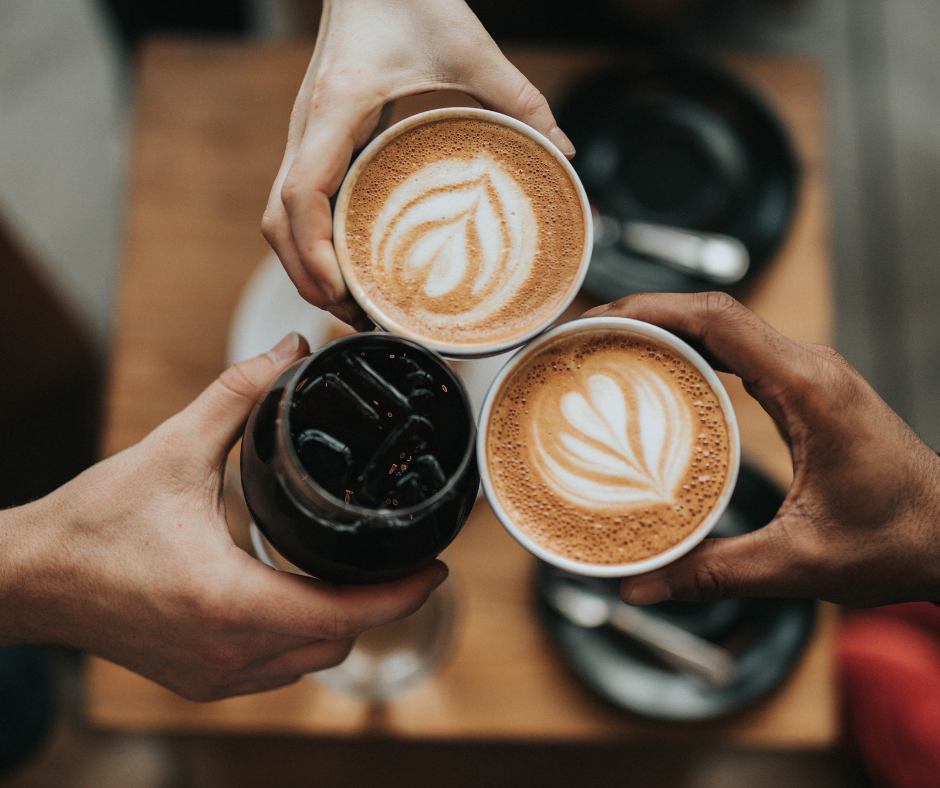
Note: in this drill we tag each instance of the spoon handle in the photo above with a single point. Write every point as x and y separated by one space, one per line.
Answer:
676 647
718 258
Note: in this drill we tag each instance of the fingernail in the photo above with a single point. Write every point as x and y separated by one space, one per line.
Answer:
598 310
560 140
287 348
440 578
648 593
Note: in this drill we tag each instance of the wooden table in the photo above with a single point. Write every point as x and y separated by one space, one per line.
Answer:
210 131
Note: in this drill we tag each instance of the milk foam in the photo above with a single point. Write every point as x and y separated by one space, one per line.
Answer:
627 440
607 448
464 230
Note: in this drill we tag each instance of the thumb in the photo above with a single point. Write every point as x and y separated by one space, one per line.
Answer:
215 419
775 370
755 564
498 85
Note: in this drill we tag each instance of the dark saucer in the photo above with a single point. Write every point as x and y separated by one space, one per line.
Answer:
766 636
676 142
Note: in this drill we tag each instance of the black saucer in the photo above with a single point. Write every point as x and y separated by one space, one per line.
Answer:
766 636
676 142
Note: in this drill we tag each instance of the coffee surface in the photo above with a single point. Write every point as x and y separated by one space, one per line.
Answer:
465 231
607 448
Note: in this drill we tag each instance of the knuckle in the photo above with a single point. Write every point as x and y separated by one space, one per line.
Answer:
311 293
269 226
716 310
237 382
812 387
339 626
530 101
330 85
719 305
337 654
207 609
709 583
291 192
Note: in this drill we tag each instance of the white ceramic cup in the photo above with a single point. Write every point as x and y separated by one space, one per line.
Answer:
633 328
368 304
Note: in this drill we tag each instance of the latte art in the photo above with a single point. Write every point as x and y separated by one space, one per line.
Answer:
463 233
456 230
607 448
628 441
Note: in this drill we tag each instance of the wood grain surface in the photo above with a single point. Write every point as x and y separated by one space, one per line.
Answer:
211 124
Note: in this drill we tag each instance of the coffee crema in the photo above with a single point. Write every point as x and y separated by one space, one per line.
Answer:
607 448
465 231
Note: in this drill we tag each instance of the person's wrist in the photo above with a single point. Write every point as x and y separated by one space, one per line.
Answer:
25 545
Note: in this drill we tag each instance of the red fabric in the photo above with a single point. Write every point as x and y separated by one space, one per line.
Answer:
889 661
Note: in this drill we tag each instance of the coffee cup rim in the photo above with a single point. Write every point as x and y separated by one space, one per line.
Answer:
635 328
368 305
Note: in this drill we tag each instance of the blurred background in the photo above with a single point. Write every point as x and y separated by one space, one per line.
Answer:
67 75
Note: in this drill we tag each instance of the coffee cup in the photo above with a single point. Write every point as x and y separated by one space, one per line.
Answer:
463 230
608 447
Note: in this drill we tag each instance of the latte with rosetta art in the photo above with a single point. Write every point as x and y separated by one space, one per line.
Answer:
607 448
466 232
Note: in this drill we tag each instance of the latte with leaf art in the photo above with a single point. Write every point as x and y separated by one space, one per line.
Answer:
462 232
607 449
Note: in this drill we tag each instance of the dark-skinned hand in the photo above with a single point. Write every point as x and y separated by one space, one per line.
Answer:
860 524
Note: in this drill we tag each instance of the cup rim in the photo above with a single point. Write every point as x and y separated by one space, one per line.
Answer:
634 328
304 480
368 305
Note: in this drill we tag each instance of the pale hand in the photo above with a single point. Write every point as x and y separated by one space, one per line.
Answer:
133 561
368 54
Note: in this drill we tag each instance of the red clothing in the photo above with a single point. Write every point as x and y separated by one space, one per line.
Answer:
889 661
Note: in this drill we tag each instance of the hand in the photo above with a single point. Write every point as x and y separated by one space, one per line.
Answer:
861 522
132 560
370 53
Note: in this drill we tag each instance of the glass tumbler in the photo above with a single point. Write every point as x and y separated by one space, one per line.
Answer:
358 464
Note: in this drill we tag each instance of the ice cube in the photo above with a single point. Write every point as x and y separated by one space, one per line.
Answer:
409 489
421 400
430 470
371 385
330 394
326 459
417 377
377 480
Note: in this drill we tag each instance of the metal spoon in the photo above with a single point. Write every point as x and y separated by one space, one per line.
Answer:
718 258
676 647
